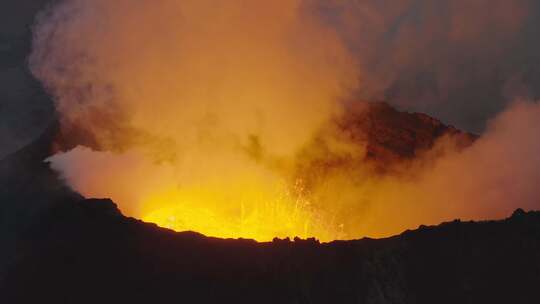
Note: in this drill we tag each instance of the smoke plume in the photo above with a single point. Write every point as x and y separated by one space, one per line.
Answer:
200 111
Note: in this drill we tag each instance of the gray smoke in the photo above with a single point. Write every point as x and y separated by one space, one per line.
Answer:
461 61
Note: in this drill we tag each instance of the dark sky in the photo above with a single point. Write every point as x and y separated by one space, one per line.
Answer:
25 110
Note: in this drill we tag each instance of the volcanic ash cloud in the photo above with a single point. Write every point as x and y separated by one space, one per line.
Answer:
187 95
198 111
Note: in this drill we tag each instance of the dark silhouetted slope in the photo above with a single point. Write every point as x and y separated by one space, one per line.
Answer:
61 248
87 252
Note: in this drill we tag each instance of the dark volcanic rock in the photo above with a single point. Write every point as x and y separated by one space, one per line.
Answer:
64 249
28 187
393 135
376 138
80 253
57 247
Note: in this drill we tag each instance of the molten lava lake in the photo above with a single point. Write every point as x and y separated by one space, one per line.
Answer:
257 215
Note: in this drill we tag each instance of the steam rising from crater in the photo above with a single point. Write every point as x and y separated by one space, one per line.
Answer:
180 70
201 96
199 111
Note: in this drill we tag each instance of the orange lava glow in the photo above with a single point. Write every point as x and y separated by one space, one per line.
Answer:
263 216
203 113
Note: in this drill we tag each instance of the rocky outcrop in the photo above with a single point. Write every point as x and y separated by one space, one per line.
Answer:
373 138
392 135
85 252
63 248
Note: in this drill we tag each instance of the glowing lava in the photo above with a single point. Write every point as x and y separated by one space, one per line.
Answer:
253 214
200 113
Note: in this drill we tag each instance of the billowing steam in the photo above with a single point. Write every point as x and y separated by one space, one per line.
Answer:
497 174
200 113
203 102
